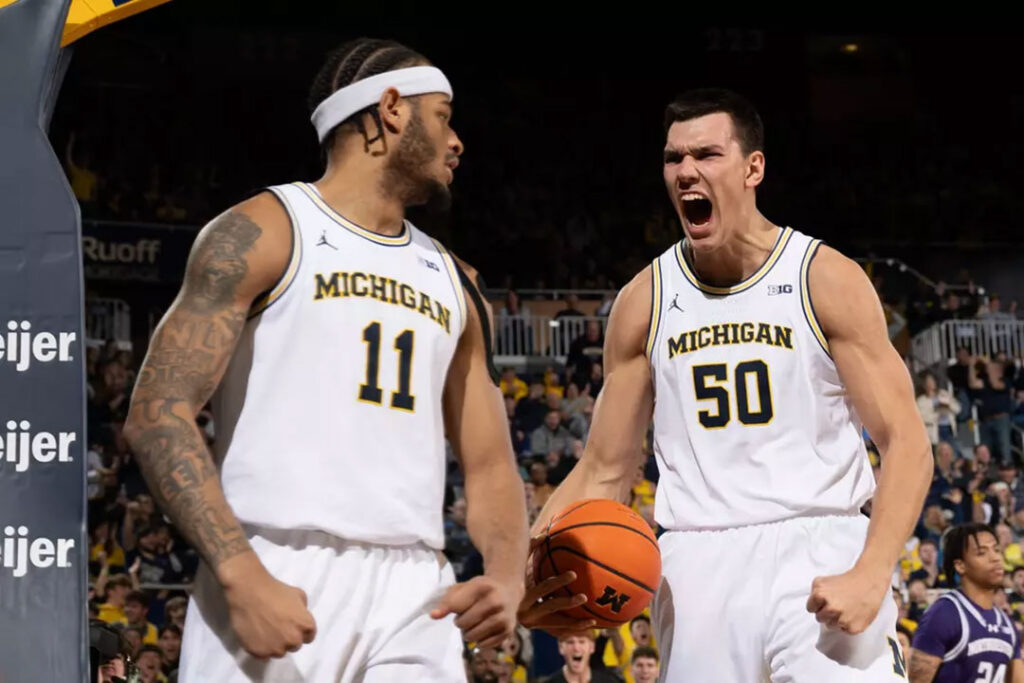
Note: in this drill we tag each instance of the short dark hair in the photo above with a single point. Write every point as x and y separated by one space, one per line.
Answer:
139 597
955 544
704 101
1015 570
645 651
640 617
149 648
928 541
173 628
354 61
134 629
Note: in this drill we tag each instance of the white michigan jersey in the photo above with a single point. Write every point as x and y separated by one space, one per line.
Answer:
751 421
329 416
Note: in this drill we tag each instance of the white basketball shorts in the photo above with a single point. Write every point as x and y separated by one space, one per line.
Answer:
732 606
371 604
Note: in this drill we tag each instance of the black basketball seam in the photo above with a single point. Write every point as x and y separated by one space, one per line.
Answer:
621 526
547 544
551 560
602 566
571 510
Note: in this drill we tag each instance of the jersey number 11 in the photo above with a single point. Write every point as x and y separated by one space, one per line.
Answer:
370 390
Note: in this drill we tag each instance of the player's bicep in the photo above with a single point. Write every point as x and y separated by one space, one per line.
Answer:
233 259
922 667
623 410
872 371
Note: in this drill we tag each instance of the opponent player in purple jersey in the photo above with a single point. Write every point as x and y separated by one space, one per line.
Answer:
962 637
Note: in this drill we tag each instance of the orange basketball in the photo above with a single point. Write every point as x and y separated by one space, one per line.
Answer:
614 554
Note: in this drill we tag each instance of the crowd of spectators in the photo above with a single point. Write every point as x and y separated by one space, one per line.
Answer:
140 565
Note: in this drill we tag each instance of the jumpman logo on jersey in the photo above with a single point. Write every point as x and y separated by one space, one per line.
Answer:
675 304
323 241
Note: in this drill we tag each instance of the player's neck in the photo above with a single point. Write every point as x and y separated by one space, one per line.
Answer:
353 189
741 257
982 597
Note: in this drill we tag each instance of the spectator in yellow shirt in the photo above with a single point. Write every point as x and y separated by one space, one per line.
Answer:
553 383
105 548
117 588
1012 556
512 386
642 493
618 653
136 609
514 650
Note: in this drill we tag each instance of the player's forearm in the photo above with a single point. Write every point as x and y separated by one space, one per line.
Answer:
496 518
921 668
902 487
587 480
180 473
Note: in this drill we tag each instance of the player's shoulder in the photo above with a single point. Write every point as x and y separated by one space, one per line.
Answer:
265 210
841 296
630 317
257 230
943 610
831 269
636 294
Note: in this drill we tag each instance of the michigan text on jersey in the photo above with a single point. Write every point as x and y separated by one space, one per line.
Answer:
340 285
730 333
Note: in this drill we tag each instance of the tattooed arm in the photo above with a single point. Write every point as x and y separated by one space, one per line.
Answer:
240 254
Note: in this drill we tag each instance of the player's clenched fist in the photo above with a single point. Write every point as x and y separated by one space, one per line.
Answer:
847 601
269 617
486 609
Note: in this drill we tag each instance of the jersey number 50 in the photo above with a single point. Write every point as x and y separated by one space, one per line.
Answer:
710 383
370 390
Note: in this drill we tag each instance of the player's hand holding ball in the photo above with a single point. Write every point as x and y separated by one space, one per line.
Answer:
543 603
269 617
849 601
486 609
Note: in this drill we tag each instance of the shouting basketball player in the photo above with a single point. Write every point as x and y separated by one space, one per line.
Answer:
963 636
345 343
758 352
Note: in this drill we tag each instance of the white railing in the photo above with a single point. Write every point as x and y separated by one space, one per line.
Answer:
108 319
534 335
938 343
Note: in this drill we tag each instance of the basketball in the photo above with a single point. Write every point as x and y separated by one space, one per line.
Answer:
615 556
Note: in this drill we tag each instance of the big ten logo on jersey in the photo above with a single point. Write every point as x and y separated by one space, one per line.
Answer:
21 345
779 289
612 599
429 264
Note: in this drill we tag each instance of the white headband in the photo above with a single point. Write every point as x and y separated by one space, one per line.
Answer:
416 80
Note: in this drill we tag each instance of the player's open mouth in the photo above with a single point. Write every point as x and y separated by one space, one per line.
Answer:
696 208
577 659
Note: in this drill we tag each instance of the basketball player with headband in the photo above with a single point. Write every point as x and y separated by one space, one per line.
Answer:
340 346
